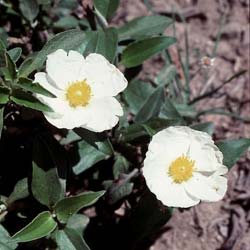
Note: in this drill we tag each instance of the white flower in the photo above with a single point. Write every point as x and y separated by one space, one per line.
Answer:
84 90
184 166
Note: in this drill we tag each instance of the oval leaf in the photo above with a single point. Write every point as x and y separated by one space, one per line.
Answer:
71 205
103 42
39 227
70 238
136 53
46 186
20 191
106 7
143 27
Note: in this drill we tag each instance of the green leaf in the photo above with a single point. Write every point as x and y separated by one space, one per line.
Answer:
15 53
78 222
46 186
4 95
28 85
166 75
91 150
121 166
67 22
6 243
136 131
118 191
207 127
20 191
103 42
27 100
71 239
29 9
168 111
1 120
106 7
232 150
67 40
137 52
67 207
142 27
10 69
136 94
151 107
145 219
39 227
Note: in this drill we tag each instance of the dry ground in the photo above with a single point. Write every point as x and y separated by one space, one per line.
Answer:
226 224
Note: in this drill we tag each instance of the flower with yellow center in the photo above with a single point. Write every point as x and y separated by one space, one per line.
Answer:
184 166
85 90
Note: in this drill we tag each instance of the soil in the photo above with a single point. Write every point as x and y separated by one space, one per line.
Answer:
223 225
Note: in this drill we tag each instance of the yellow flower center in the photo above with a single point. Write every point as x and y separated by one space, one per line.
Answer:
181 169
78 94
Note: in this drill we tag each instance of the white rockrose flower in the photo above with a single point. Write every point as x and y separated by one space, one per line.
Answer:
84 90
184 166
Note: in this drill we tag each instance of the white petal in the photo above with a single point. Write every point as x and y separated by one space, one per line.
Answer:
63 68
41 78
169 193
104 78
103 114
202 187
69 120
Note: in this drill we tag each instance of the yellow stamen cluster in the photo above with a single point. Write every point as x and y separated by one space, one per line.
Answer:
181 169
78 94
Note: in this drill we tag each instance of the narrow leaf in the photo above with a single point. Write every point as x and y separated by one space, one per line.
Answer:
1 120
136 53
4 95
232 150
136 94
71 205
15 53
151 107
28 85
67 40
106 7
20 191
71 238
39 227
142 27
27 100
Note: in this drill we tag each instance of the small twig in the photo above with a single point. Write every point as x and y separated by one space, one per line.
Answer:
212 92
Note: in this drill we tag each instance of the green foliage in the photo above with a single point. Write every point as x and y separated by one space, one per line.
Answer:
6 243
29 9
68 40
67 207
56 168
46 186
70 238
91 154
21 190
232 150
143 27
103 42
42 225
136 53
106 7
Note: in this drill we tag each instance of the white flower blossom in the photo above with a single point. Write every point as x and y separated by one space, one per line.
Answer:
184 166
84 90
